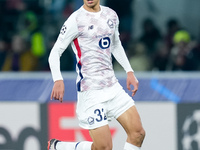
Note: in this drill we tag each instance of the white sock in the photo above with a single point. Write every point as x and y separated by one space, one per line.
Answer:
129 146
85 145
65 145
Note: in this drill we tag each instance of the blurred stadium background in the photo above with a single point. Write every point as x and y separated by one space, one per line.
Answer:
162 41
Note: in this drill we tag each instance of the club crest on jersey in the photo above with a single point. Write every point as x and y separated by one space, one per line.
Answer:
63 29
110 23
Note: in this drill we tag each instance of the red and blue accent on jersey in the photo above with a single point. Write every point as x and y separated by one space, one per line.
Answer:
79 65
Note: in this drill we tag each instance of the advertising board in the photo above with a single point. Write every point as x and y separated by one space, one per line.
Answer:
22 126
28 126
188 126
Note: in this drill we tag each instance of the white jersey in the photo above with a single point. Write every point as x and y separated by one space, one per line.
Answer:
94 37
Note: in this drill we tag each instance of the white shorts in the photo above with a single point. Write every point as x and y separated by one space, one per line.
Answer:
94 107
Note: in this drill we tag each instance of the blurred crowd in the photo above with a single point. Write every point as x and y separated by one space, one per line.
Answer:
29 28
176 50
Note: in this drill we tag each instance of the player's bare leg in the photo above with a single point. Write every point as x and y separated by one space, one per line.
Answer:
102 139
131 122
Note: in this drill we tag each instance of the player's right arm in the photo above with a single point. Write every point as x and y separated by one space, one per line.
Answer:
58 90
68 33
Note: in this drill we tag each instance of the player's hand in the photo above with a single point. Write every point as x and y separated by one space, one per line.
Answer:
132 80
58 90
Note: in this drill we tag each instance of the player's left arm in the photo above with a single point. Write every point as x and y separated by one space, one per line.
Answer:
132 80
120 55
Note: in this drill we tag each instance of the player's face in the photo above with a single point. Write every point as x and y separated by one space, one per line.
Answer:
92 5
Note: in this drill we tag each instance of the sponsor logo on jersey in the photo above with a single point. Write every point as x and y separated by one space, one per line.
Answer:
91 27
104 43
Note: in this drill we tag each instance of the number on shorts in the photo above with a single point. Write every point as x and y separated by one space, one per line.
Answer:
99 113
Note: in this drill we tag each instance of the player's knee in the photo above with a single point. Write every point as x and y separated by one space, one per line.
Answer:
142 134
137 136
107 146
